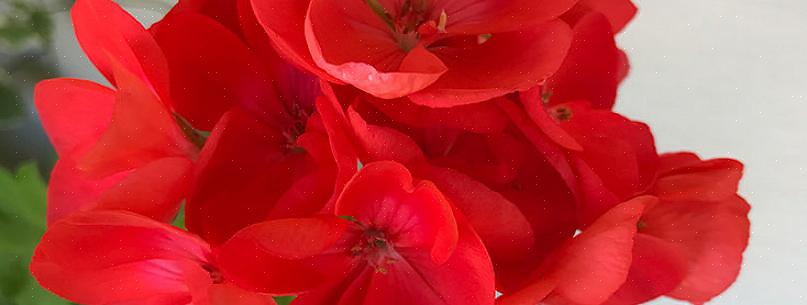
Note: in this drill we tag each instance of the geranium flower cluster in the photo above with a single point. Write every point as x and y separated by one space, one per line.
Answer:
353 152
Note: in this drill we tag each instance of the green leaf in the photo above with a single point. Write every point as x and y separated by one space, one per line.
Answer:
179 220
284 300
22 223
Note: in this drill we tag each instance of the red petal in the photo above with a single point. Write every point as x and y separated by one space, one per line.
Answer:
590 70
483 17
383 143
73 112
142 130
619 12
598 260
85 257
284 22
713 236
351 43
465 278
672 161
341 145
288 256
657 268
533 103
226 294
590 268
222 71
620 151
498 66
417 280
121 39
478 118
501 225
709 180
414 215
241 165
154 190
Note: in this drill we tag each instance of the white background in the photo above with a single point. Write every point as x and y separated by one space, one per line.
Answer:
727 78
721 78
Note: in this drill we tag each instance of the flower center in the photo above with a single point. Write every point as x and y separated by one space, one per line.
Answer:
215 274
412 24
561 113
376 249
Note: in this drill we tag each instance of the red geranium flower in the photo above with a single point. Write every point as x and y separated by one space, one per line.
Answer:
689 246
440 53
394 242
115 257
119 148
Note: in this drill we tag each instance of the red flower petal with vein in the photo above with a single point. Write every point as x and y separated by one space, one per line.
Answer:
396 241
88 255
119 150
392 49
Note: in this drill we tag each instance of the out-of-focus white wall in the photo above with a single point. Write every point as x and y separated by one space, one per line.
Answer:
719 77
729 78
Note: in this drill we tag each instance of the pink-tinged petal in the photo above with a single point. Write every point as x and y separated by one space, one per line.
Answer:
619 12
486 16
85 257
73 112
414 215
501 225
226 294
480 72
657 268
478 118
242 165
154 190
122 39
713 236
709 180
142 130
465 278
288 256
221 72
590 71
284 22
383 143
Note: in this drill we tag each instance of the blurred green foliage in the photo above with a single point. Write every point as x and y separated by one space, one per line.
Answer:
26 20
22 223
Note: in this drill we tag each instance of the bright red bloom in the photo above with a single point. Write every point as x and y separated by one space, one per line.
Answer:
439 53
590 267
394 242
119 148
114 257
277 146
604 157
468 168
690 244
